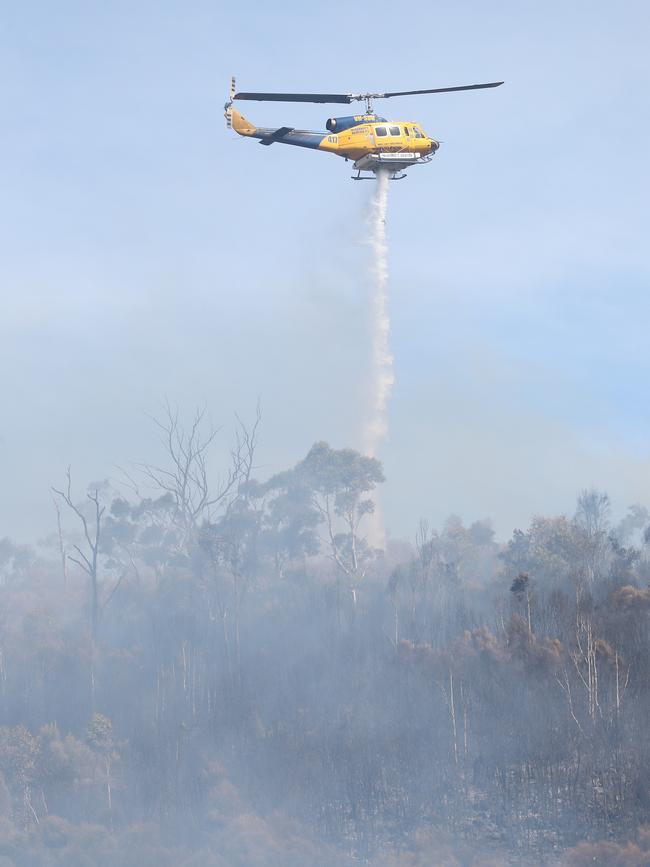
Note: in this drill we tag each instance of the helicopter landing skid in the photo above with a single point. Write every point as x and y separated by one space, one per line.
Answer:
360 177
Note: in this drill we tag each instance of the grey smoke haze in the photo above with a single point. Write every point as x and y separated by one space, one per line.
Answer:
472 430
234 677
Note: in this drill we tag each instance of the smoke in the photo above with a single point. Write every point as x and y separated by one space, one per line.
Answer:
375 428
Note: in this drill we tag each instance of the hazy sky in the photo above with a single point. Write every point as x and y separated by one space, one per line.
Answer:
147 252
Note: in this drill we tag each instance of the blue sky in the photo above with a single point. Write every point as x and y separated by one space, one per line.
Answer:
146 252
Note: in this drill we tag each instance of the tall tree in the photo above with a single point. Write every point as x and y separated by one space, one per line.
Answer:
87 554
339 482
197 494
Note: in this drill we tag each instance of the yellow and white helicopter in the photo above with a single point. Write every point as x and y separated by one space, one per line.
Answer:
371 142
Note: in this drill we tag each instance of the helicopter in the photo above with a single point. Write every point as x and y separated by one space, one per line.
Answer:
372 143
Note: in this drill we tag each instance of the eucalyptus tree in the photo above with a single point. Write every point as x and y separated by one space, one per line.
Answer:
339 482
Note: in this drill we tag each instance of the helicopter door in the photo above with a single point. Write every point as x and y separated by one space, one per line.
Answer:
380 134
409 138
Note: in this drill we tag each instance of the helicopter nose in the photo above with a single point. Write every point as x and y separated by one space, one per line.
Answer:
434 145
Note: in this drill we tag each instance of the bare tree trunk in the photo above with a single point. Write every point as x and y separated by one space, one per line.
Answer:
87 560
92 674
452 711
396 625
464 706
237 637
109 794
226 644
62 551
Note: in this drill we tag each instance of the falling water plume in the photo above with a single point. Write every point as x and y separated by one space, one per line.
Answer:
375 428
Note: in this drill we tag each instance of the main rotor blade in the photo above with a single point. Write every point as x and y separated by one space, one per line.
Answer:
443 89
296 97
347 98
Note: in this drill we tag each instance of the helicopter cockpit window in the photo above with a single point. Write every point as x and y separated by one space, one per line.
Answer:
394 130
417 132
381 130
407 131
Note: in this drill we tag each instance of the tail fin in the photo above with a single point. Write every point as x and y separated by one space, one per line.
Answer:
228 109
239 123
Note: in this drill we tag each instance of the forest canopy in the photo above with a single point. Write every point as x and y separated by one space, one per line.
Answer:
204 667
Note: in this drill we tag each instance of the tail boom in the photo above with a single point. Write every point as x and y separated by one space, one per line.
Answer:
268 135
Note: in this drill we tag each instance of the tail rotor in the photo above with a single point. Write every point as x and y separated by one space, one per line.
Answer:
228 105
